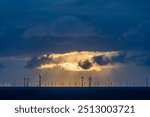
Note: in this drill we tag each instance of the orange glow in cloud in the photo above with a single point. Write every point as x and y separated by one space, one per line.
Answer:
77 61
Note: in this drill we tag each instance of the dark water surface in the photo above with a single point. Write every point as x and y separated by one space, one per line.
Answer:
75 93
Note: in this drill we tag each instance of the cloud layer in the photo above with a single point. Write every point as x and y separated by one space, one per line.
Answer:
1 67
91 25
67 26
86 61
72 61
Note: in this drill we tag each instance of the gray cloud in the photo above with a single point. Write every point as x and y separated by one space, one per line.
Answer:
66 26
1 67
102 60
85 64
143 60
72 61
36 61
102 8
105 60
124 58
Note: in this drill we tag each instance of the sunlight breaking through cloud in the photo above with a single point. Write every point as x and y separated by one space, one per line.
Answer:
76 61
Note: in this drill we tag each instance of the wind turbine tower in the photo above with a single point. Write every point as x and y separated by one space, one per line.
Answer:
90 81
40 80
82 80
24 81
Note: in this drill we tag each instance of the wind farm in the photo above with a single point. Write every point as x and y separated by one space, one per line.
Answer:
83 82
83 89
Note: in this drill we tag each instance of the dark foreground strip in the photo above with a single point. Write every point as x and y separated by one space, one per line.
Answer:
75 93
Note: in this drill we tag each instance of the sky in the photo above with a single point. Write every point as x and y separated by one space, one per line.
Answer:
31 31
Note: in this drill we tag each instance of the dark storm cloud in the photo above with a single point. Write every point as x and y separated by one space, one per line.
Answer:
32 27
124 58
85 64
36 62
67 26
143 60
105 60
